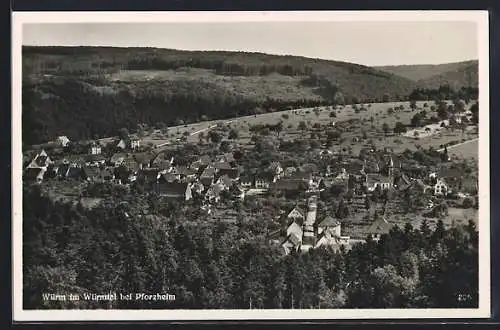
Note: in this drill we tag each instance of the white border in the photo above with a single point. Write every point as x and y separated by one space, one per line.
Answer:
480 17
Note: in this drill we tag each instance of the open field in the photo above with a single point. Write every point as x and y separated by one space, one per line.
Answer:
465 150
362 121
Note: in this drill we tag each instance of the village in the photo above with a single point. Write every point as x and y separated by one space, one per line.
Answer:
332 195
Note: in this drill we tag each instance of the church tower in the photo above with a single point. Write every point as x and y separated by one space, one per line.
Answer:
390 167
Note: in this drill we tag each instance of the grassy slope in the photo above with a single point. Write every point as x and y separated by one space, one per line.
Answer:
467 76
351 79
423 72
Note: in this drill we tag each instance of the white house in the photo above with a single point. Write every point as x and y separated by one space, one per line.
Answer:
441 188
63 141
295 229
135 143
95 149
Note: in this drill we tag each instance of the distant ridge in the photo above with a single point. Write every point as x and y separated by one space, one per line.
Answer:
420 73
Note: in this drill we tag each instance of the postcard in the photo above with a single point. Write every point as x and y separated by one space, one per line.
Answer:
188 166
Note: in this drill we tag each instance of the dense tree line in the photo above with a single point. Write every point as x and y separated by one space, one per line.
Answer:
70 249
81 112
445 92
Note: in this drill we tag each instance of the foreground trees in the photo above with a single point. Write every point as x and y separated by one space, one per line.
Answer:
69 249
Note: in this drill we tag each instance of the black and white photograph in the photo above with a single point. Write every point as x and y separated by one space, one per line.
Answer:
239 165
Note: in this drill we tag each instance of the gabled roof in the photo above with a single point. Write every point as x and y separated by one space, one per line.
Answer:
297 209
121 144
119 156
225 180
380 226
328 221
131 163
372 179
209 172
222 165
42 160
294 228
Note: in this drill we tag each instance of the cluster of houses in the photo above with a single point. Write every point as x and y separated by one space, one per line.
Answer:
205 177
212 179
305 231
373 171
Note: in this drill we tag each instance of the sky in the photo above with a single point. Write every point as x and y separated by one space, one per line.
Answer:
367 43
